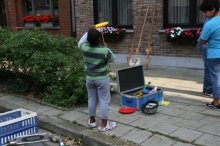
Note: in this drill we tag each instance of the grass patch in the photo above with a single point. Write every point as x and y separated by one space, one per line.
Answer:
76 123
140 128
113 136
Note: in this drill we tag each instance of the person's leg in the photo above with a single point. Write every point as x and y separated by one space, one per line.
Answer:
214 68
207 86
92 100
103 89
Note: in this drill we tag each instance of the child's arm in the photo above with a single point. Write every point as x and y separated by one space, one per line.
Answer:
202 41
111 57
206 33
84 37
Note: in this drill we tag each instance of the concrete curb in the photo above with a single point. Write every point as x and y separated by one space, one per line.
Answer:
65 128
89 137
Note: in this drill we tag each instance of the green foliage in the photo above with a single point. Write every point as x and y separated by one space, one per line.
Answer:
79 140
4 33
53 64
112 76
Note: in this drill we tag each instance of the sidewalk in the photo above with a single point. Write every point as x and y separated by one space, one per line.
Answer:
184 122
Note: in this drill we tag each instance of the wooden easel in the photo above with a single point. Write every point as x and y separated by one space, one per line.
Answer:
148 50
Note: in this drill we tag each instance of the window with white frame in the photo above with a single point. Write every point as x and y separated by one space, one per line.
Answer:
117 12
183 13
44 7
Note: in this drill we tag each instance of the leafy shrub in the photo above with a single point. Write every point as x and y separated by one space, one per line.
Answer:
53 64
4 33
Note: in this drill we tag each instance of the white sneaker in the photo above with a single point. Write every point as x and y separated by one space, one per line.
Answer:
92 124
109 126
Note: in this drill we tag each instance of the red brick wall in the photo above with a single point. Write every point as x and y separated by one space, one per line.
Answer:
15 13
64 17
84 18
11 14
20 12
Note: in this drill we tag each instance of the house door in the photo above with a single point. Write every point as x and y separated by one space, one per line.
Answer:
3 21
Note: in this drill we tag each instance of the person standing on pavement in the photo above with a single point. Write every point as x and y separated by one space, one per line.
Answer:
203 48
211 34
96 60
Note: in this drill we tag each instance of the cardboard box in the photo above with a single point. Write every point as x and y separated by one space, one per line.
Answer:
17 122
129 81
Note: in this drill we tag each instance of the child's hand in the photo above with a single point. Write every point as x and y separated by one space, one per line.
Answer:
106 45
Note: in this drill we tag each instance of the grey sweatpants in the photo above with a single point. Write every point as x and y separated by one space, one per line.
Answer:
99 91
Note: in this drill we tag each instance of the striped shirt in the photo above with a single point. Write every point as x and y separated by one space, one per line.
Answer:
96 60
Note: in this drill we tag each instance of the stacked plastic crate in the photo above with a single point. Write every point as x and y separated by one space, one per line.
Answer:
17 122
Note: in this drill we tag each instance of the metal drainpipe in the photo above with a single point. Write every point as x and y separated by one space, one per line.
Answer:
72 18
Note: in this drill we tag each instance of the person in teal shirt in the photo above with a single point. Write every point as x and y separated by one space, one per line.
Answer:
211 35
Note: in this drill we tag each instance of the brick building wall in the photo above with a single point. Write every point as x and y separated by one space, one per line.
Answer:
10 7
64 16
83 15
15 13
84 18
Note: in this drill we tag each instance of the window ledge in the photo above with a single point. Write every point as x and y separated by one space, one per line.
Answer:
129 30
163 30
53 28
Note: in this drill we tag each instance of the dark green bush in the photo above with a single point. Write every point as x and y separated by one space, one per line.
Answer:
4 33
50 65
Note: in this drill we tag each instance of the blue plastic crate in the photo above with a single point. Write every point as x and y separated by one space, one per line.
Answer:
15 123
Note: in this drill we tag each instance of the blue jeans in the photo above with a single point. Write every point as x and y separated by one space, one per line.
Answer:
214 68
207 86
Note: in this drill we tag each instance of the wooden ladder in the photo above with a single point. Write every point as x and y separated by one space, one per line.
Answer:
148 50
143 26
133 41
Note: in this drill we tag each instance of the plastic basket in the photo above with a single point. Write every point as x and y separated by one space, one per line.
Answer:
17 122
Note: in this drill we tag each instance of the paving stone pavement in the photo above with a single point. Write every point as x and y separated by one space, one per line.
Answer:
184 122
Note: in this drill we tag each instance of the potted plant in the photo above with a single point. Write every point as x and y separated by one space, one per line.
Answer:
112 34
45 20
29 21
177 34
